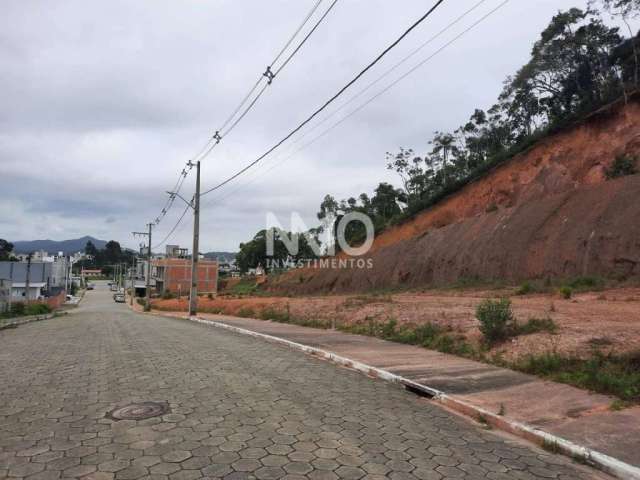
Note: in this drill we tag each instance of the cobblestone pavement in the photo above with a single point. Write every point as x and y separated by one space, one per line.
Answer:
240 408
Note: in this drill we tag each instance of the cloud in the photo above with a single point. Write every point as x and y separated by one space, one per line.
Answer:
102 103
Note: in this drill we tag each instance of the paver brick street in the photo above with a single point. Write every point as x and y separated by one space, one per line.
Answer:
239 408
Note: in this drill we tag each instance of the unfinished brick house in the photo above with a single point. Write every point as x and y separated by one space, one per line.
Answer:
174 275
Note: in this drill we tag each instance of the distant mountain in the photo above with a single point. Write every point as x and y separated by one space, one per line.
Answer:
221 256
68 247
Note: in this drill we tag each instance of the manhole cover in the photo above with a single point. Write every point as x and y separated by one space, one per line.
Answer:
139 411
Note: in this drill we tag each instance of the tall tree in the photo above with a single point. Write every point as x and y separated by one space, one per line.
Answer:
90 249
6 249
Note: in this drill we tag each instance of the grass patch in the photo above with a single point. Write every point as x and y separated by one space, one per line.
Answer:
21 309
275 315
246 312
617 375
528 287
427 335
535 325
245 287
361 300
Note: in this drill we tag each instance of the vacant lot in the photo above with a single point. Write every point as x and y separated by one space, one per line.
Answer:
606 321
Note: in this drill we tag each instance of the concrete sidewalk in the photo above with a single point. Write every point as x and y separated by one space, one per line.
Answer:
578 416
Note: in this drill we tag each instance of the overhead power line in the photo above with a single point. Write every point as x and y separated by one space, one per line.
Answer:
267 79
186 209
331 100
376 95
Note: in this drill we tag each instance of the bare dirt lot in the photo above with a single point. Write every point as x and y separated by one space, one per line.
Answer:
608 320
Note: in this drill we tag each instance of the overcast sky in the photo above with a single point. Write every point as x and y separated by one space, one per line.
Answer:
103 102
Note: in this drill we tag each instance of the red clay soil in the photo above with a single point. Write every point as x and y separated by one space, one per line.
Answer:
607 320
548 212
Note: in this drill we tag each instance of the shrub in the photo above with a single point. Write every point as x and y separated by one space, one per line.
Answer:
566 292
496 319
17 309
622 166
37 309
525 289
388 330
586 283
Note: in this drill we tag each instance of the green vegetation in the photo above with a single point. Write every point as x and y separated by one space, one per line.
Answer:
37 309
428 335
565 287
105 258
496 319
534 325
275 315
566 292
254 252
20 309
6 251
360 300
585 284
577 65
622 166
617 375
618 405
246 286
497 322
246 312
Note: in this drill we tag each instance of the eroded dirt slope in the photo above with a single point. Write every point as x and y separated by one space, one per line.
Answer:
548 212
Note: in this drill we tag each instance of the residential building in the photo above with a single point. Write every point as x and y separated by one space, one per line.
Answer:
90 272
174 251
36 291
53 274
174 275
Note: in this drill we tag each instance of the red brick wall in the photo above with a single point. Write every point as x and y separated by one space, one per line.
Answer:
57 301
177 276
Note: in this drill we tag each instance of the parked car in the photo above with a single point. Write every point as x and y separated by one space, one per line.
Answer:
90 286
119 297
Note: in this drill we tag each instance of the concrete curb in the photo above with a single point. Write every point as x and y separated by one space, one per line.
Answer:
15 321
579 453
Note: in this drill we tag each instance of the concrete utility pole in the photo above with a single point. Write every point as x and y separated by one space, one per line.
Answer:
133 282
147 305
193 295
27 279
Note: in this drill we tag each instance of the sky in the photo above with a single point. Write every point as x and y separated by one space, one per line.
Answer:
102 104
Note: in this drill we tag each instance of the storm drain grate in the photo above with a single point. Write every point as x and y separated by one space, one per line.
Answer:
139 411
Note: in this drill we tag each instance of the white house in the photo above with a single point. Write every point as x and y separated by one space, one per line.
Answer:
18 291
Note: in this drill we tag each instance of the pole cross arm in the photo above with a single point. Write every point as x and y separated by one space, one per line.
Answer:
176 194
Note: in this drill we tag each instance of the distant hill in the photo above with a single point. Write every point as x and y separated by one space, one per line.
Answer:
52 246
222 256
